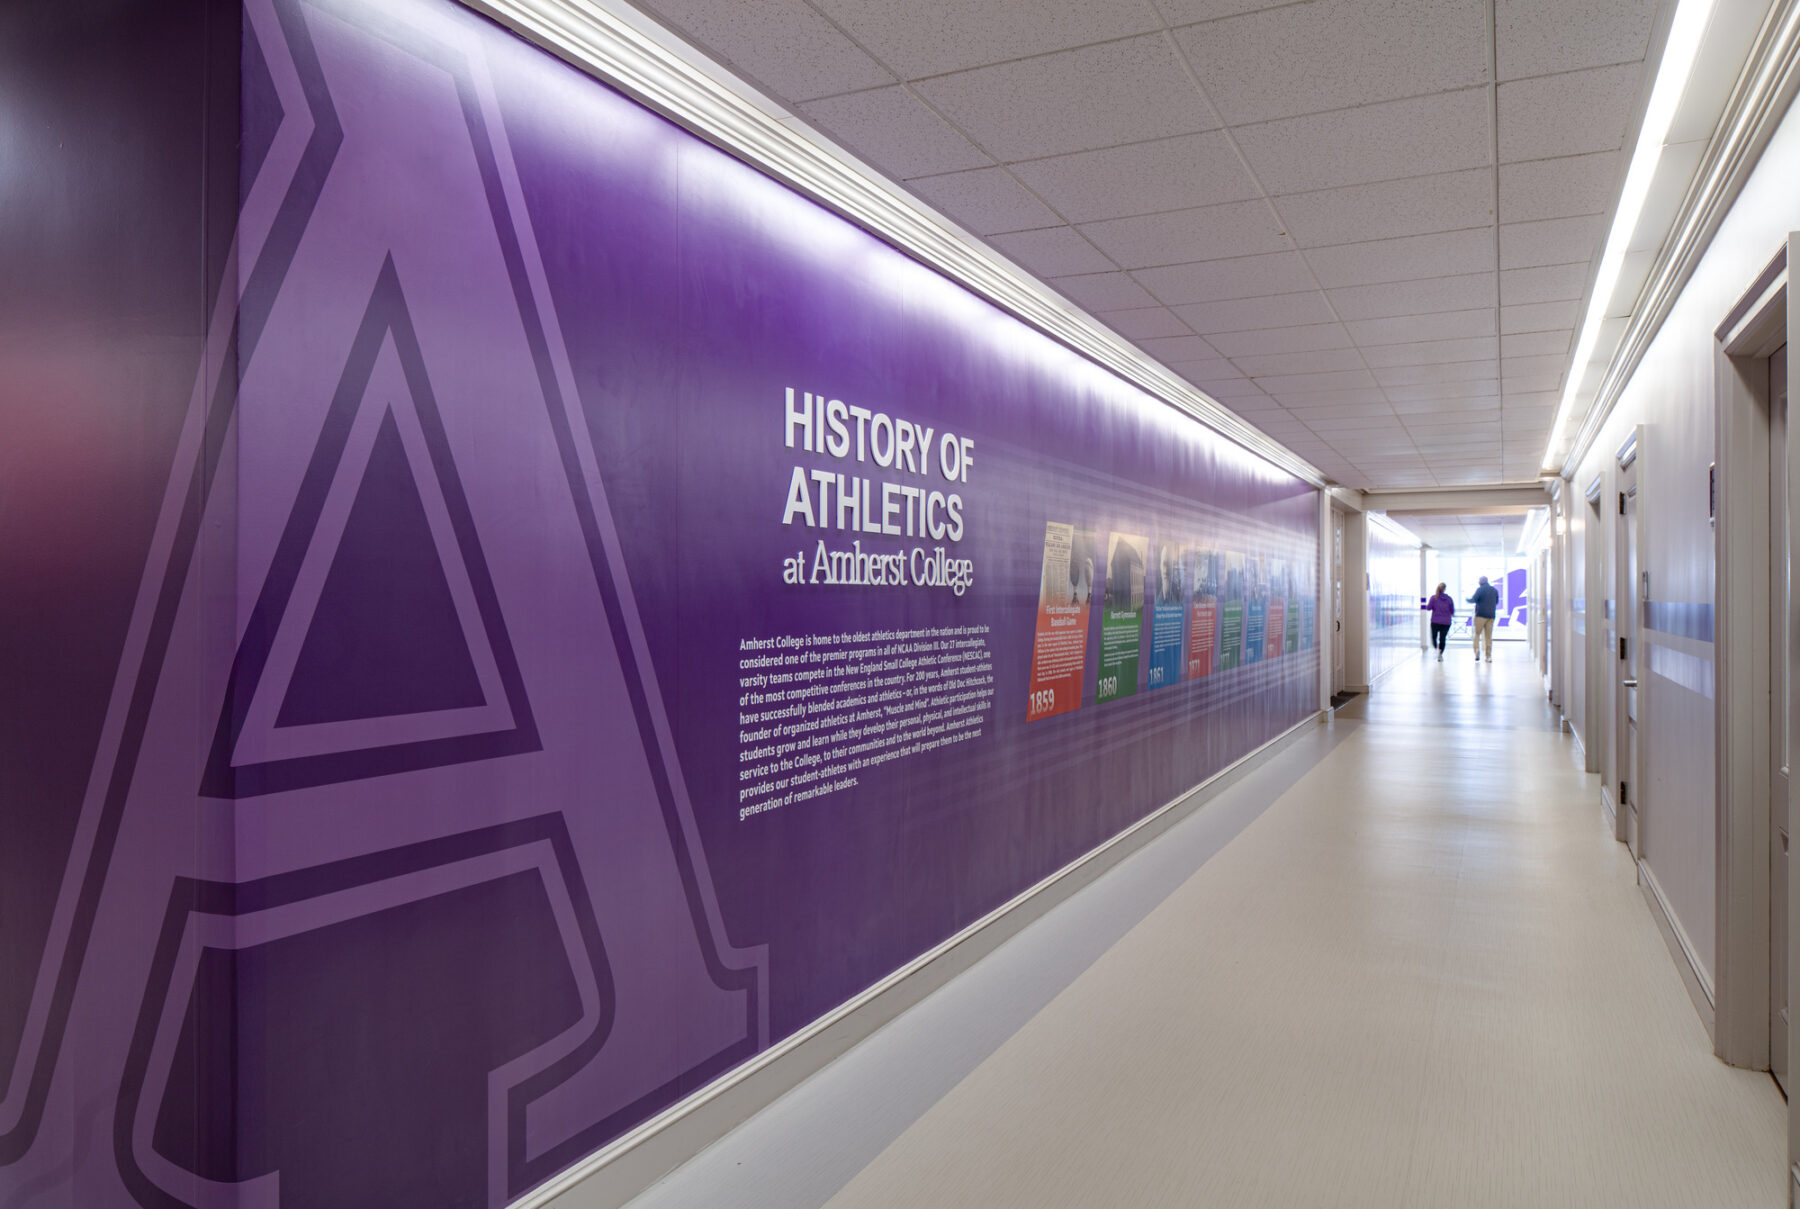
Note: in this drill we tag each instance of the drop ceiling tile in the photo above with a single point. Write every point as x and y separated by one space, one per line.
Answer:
1432 352
1365 432
1451 371
1348 379
1446 254
1113 291
1532 344
1538 37
1463 293
1053 252
1314 362
1407 408
1281 340
1421 136
1546 283
1426 421
1542 400
1553 241
1420 205
1207 233
1256 405
892 130
1142 323
930 37
1169 349
1303 402
1484 457
1079 100
1548 380
1375 450
1514 366
1141 178
1276 418
1535 425
1559 188
1538 317
1428 395
1411 329
1476 440
1307 58
785 45
1358 455
1327 410
986 200
1236 277
1246 314
1203 369
1535 114
1227 388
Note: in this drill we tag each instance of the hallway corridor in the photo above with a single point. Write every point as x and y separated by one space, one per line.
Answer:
1424 976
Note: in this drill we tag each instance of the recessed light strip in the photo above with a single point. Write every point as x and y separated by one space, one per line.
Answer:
1679 52
620 47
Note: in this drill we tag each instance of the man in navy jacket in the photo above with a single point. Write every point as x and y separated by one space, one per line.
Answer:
1486 600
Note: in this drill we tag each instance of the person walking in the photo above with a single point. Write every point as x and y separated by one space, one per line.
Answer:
1443 609
1486 600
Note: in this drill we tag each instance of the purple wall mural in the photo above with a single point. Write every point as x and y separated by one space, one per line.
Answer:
569 615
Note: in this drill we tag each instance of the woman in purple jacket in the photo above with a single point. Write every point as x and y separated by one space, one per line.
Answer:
1442 610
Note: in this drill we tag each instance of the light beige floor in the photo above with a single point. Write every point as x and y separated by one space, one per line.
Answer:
1424 977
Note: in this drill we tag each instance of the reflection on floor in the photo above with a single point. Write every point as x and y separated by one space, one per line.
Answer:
1423 976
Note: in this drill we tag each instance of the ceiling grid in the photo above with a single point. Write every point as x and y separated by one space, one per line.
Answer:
1365 226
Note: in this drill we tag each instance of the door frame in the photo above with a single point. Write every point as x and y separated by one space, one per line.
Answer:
1337 592
1757 325
1596 643
1626 777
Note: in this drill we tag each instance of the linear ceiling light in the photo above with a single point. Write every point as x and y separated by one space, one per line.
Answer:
1534 531
1679 52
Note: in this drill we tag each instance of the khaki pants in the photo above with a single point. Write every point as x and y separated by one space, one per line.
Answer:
1484 633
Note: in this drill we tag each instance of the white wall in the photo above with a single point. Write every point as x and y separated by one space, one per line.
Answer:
1671 395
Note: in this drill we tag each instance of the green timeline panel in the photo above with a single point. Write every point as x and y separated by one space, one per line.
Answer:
1122 618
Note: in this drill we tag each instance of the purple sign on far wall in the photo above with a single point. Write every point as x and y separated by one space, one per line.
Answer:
589 635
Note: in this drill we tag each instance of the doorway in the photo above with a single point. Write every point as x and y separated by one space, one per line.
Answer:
1337 603
1754 648
1596 640
1780 593
1629 596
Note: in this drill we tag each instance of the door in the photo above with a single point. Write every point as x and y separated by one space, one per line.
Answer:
1596 633
1337 602
1779 598
1628 656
